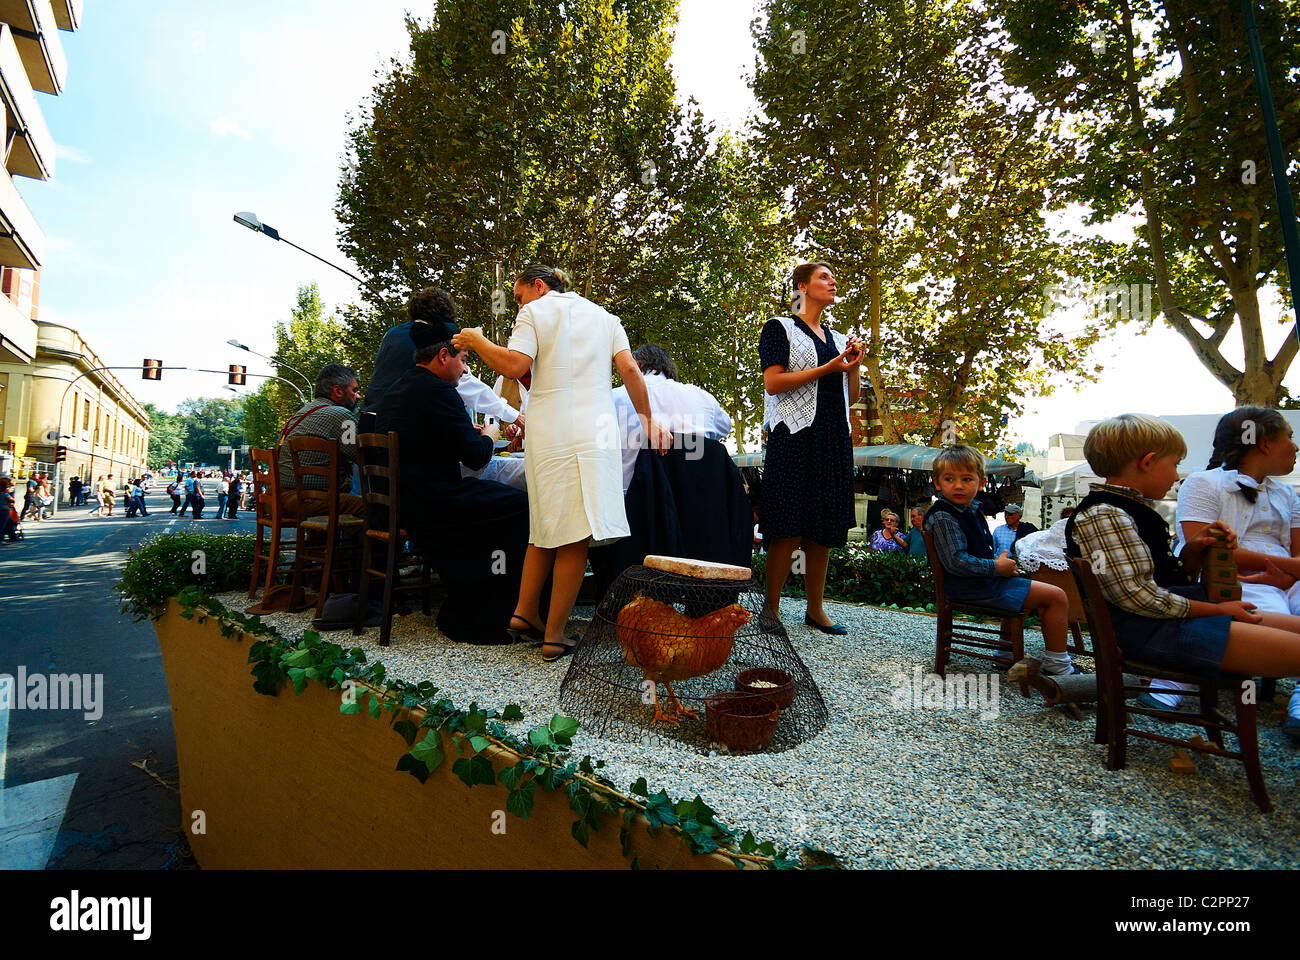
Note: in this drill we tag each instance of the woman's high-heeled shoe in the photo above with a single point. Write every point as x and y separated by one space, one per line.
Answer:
531 632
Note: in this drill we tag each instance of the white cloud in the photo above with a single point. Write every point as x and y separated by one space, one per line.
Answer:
69 154
228 128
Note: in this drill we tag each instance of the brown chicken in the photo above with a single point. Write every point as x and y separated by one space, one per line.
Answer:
666 645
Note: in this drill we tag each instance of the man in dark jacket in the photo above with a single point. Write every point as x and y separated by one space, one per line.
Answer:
475 532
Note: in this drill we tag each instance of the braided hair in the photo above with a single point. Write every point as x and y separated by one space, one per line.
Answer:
1239 431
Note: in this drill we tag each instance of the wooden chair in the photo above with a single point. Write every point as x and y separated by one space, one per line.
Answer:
317 514
381 476
1065 580
1114 709
271 524
977 641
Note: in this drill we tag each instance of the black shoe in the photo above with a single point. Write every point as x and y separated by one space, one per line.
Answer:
835 629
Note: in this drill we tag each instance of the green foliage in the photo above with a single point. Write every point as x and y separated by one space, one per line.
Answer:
166 436
542 760
560 141
306 342
882 578
164 565
922 186
211 422
1163 100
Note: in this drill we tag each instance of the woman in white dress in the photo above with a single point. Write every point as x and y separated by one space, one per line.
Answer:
574 461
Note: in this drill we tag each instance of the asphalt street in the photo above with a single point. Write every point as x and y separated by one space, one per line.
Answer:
59 615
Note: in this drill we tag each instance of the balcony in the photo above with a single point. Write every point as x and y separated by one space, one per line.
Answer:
67 14
22 242
31 153
17 334
36 35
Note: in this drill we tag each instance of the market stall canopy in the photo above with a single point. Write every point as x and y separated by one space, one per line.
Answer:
898 456
1070 483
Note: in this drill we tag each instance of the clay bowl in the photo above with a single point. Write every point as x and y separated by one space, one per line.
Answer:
782 694
742 721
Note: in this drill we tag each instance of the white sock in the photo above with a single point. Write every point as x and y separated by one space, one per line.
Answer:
1055 664
1293 710
1171 700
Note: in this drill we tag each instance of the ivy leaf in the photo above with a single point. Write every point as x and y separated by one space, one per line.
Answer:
474 770
780 864
299 658
740 864
640 789
475 722
429 751
520 802
413 766
540 737
348 709
579 831
767 848
747 843
512 712
374 705
563 728
405 728
479 743
299 678
511 776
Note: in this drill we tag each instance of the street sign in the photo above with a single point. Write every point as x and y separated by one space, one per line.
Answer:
223 449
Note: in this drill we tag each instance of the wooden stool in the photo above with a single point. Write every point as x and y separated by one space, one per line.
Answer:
318 513
271 523
1009 647
1065 580
1114 709
381 479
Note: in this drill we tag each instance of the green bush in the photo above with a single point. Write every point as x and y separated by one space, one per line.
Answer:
881 578
162 566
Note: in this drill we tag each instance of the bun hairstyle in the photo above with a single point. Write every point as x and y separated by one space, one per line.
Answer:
553 277
1233 438
803 274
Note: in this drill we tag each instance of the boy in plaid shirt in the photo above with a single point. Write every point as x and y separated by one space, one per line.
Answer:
1160 616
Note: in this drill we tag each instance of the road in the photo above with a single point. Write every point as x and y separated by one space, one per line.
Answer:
61 616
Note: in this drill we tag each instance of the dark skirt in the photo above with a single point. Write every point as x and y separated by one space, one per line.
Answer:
1194 644
808 481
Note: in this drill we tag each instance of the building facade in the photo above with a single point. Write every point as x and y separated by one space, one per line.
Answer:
104 427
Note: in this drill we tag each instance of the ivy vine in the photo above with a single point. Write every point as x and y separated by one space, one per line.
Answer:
544 761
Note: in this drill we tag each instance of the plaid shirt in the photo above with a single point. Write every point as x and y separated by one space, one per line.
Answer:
1108 537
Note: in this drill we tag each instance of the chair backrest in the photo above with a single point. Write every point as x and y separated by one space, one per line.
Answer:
380 476
266 484
940 597
322 461
1110 660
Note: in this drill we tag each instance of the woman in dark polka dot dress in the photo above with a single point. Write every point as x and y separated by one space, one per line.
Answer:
807 494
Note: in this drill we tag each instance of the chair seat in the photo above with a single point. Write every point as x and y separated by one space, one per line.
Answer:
383 535
1178 676
322 523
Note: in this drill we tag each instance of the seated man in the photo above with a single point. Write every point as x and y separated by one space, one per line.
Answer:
1013 531
328 416
681 407
475 532
430 305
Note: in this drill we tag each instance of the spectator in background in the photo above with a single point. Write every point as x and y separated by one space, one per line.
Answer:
8 513
174 491
223 491
232 499
915 538
136 490
198 498
888 537
74 491
29 497
1013 531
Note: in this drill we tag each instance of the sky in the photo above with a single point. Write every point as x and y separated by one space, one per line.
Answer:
176 116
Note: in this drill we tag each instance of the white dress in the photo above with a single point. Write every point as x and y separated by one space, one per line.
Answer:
574 463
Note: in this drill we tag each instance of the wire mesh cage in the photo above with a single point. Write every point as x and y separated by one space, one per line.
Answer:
682 651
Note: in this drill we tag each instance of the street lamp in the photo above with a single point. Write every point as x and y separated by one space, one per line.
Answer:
276 360
248 219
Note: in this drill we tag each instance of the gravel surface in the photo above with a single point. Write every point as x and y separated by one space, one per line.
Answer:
890 784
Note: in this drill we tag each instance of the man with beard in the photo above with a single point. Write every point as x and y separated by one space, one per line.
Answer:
328 416
475 532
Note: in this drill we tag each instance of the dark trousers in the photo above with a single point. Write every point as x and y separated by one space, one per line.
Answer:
198 507
188 505
232 507
176 502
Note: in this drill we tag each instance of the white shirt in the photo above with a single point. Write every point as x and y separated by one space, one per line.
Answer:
1264 526
679 407
478 397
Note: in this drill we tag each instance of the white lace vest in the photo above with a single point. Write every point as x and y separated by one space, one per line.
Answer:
796 408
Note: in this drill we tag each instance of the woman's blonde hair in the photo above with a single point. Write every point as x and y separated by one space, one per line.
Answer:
1114 444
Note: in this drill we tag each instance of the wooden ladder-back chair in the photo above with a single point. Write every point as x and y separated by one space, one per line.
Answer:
271 524
317 514
1114 708
381 476
1006 643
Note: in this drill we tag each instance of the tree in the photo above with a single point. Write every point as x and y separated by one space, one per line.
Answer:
921 183
516 132
1164 100
308 341
166 436
261 425
211 422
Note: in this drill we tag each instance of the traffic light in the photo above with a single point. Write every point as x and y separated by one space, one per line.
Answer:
238 377
152 370
60 454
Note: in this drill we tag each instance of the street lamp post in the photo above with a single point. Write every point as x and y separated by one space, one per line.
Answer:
276 360
250 220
